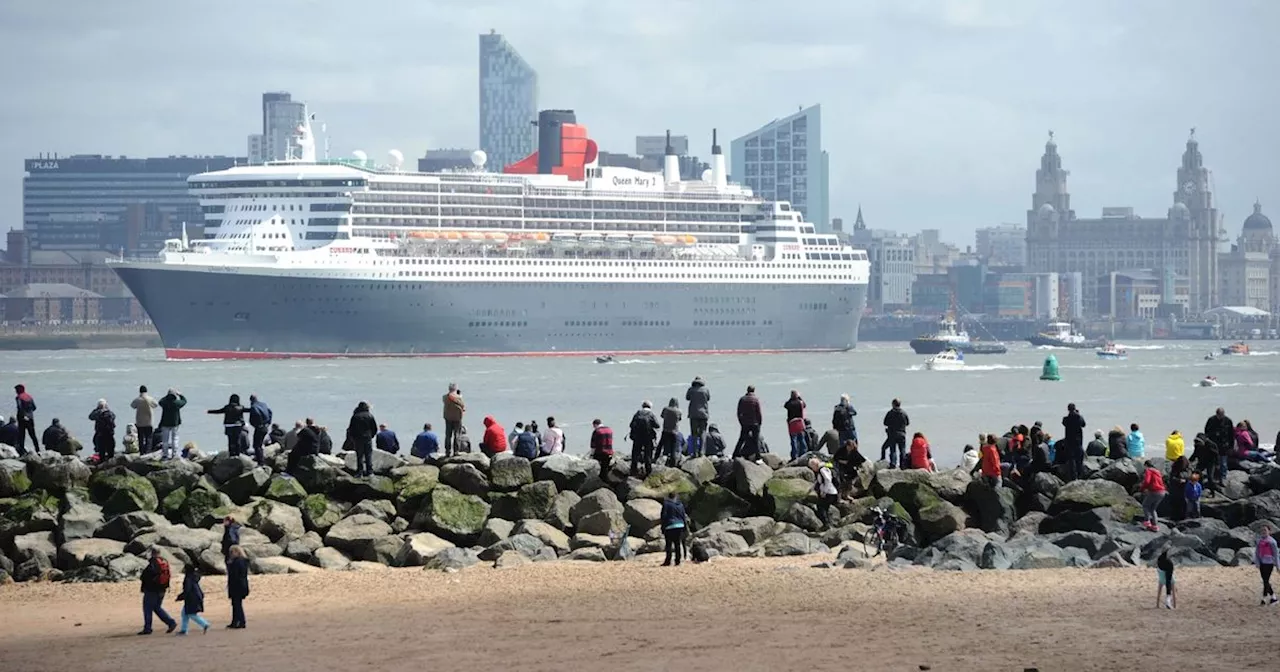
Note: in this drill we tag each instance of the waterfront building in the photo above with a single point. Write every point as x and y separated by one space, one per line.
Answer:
1184 240
508 102
893 266
1142 293
1247 270
1003 245
784 161
93 202
281 117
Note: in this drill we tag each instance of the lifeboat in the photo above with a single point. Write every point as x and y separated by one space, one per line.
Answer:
617 240
565 239
450 235
538 237
665 240
427 235
498 237
474 236
687 239
417 234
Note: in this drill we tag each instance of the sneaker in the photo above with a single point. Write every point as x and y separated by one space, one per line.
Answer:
1168 603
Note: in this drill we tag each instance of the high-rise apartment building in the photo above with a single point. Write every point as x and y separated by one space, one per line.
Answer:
1003 245
508 103
281 117
784 161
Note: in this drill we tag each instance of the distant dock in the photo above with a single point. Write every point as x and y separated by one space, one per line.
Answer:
77 337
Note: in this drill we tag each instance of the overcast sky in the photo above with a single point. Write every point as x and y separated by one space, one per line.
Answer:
935 112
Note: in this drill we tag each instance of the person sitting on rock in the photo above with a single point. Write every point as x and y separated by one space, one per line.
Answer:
130 440
386 440
829 442
526 444
1117 443
969 459
515 432
989 463
921 455
494 440
425 444
715 445
1097 447
55 438
9 432
306 442
552 439
275 436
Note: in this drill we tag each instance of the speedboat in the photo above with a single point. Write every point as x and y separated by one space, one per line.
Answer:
1210 357
604 359
947 360
1063 335
1209 381
1111 351
1240 348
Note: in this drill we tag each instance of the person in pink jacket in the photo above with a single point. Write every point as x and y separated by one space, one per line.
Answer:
1266 555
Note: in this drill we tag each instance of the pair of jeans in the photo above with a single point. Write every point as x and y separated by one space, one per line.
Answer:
824 505
259 437
237 611
192 617
896 446
642 456
27 427
1223 468
606 463
233 439
169 442
697 430
675 544
668 446
1193 509
153 604
847 435
799 445
451 430
364 457
145 438
1151 502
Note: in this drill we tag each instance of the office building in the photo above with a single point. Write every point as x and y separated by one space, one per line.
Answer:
93 202
784 161
281 117
1003 245
508 103
1247 269
1184 240
893 266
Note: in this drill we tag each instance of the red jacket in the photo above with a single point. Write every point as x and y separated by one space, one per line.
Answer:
602 441
495 437
920 454
1153 481
990 460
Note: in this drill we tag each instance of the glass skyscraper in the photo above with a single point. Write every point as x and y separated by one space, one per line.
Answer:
784 161
508 103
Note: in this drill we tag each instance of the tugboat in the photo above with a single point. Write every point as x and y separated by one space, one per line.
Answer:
1240 348
1111 351
1062 335
947 360
948 336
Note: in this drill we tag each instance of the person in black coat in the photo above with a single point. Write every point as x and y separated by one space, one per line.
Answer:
232 422
104 431
895 440
155 582
230 535
360 432
643 432
1073 426
673 520
192 599
308 443
237 586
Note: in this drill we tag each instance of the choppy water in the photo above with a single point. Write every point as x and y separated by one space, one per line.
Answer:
1156 387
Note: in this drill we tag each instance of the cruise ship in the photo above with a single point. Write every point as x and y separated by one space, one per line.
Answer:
554 255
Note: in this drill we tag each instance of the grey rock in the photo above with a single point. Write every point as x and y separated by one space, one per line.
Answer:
478 460
1046 484
536 500
1089 542
1113 560
190 541
23 547
966 545
1173 541
510 474
465 478
525 544
331 559
701 469
1206 529
126 567
378 508
13 478
304 547
172 478
316 475
495 530
356 536
951 485
1092 494
79 520
591 554
419 548
643 514
453 515
453 559
560 514
1098 521
279 565
726 544
608 522
1028 524
992 508
749 478
1040 556
1235 539
568 472
510 560
86 552
381 461
35 568
56 473
792 543
211 561
595 502
1125 472
319 513
279 521
803 517
1262 507
349 488
557 540
125 527
226 467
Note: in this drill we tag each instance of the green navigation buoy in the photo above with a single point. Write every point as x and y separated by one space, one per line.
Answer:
1050 371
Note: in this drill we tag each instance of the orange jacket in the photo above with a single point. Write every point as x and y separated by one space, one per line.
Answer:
920 454
990 460
495 437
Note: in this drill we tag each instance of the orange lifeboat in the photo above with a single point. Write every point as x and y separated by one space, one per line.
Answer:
539 237
665 240
427 235
473 236
451 235
497 237
688 240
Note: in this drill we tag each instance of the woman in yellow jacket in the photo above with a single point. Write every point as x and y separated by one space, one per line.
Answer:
1174 447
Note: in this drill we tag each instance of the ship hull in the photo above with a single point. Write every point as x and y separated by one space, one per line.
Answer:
933 346
1042 340
267 315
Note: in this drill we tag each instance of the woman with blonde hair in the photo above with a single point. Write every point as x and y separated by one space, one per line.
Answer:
237 585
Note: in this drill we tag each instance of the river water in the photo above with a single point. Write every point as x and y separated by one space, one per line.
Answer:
1156 387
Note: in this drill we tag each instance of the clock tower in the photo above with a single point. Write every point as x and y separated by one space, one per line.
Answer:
1194 192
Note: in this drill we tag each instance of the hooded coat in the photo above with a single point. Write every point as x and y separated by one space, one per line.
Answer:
699 398
495 437
362 427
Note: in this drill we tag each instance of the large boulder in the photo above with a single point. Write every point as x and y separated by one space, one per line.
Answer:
126 527
279 565
303 548
1096 521
934 517
535 500
525 544
277 520
642 515
1206 529
315 474
453 515
181 476
171 505
992 508
382 462
701 469
560 514
119 490
419 549
354 489
952 485
452 559
1089 542
13 478
201 507
802 517
726 544
555 539
412 485
504 505
57 473
494 530
595 502
465 478
79 519
242 487
568 472
225 467
792 543
713 502
964 545
884 480
283 489
1263 507
1094 493
664 481
23 547
749 478
1124 472
603 523
319 514
1236 485
378 508
754 530
1042 555
190 541
509 473
357 535
782 493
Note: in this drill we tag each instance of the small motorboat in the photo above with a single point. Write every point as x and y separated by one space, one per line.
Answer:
1210 357
1111 351
1240 348
1209 381
947 360
604 359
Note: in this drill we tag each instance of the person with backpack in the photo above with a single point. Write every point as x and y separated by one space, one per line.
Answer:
895 430
526 443
674 520
170 420
237 585
671 417
825 487
192 599
104 431
361 431
643 433
155 582
842 420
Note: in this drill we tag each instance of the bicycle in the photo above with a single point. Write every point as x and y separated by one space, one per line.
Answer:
885 533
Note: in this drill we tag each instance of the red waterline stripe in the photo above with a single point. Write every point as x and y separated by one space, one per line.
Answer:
186 353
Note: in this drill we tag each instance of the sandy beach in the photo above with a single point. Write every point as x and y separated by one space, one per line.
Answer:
731 614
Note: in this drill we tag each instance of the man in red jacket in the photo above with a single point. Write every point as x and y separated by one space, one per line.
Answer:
602 447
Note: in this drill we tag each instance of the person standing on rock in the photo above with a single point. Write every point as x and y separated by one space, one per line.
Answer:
454 408
552 438
674 520
26 417
1221 430
1266 554
192 599
699 398
155 582
360 432
1073 425
670 443
237 585
602 447
842 420
824 486
170 419
750 417
232 422
260 420
142 406
895 430
643 433
989 463
104 431
1153 492
795 424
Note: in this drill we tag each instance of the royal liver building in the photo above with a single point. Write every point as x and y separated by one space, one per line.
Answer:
1184 241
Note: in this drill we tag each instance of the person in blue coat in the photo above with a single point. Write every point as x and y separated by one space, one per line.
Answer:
386 440
192 599
425 444
673 520
1136 443
237 585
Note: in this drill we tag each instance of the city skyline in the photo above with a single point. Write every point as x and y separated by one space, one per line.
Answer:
936 111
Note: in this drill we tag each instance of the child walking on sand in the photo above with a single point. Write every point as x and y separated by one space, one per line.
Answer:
192 599
1165 584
